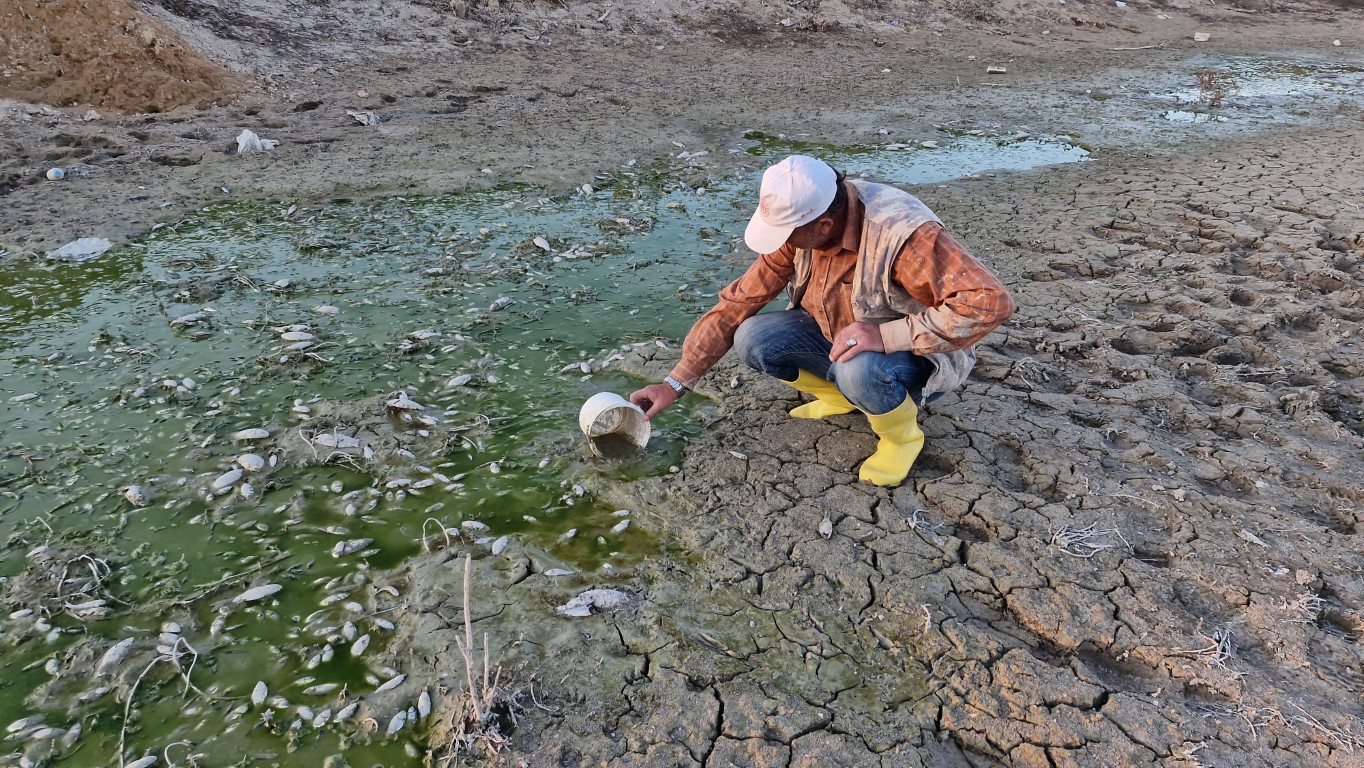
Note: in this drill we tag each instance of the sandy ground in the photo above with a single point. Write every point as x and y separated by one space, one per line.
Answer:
1132 540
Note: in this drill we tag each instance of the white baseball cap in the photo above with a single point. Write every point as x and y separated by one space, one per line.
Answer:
794 192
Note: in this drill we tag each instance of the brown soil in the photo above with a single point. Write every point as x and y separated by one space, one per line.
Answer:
107 54
1133 539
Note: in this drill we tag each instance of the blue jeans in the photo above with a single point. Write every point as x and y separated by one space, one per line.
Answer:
782 344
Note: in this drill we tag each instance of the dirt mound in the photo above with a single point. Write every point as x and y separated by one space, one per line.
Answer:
105 53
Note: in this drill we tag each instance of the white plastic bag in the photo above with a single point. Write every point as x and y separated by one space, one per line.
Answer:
248 142
83 249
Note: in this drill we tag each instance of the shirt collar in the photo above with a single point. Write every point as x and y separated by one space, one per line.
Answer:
852 228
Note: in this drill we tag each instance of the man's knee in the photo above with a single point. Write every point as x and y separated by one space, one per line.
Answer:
745 340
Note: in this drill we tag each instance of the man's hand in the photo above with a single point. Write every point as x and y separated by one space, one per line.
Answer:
654 398
856 338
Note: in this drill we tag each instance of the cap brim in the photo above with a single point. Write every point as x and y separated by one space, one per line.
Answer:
763 237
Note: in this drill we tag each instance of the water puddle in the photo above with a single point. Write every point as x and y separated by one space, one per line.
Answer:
1264 89
956 156
416 367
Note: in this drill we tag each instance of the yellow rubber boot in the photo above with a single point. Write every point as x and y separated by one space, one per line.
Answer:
901 441
828 400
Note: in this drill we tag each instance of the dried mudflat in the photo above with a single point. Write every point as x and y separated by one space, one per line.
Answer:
1133 540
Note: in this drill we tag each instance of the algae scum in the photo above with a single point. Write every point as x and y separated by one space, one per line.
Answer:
218 440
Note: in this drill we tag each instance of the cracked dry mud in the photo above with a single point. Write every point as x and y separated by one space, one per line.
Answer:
1132 540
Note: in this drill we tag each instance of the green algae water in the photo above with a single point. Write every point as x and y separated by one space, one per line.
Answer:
498 313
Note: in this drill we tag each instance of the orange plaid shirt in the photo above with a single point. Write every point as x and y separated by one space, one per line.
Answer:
965 300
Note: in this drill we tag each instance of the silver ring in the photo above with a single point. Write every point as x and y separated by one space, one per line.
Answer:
852 342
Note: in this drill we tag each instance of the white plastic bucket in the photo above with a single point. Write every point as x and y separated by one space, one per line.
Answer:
607 415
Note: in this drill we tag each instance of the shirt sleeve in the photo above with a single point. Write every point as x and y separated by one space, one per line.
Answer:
964 299
713 334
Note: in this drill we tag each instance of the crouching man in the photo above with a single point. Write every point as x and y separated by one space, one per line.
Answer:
886 308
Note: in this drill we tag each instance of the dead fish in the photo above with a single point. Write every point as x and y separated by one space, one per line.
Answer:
570 533
396 724
254 433
460 380
142 762
326 309
318 690
826 528
559 572
360 645
114 656
500 545
383 624
404 403
621 526
599 599
259 693
226 480
391 684
344 548
541 243
332 440
501 304
322 718
346 712
424 704
24 723
189 319
137 495
297 336
257 593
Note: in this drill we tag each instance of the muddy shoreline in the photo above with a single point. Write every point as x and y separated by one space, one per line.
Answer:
1133 539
